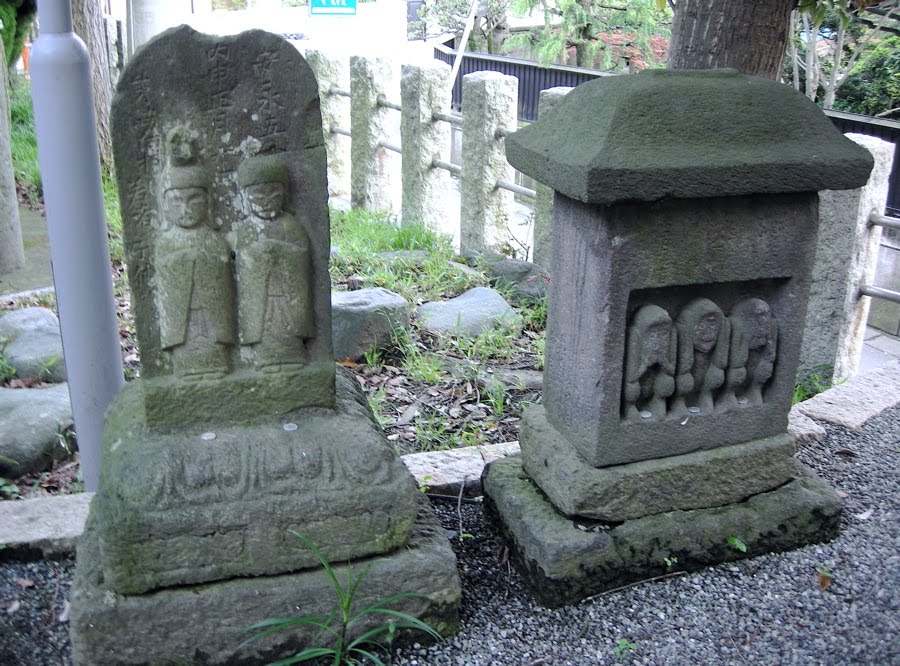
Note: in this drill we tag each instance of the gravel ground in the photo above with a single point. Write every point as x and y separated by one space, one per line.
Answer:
768 610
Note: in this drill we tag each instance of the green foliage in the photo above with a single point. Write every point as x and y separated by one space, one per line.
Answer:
602 33
449 16
873 86
670 561
113 218
17 17
816 382
623 648
23 139
334 631
737 544
7 372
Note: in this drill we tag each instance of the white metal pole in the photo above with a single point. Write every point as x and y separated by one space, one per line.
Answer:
70 168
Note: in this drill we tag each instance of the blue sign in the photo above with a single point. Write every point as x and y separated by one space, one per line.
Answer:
332 7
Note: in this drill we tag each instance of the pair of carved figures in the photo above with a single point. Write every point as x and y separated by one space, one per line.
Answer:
700 363
200 281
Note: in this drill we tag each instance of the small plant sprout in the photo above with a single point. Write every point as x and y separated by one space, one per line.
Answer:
624 648
670 561
334 637
424 488
737 544
824 576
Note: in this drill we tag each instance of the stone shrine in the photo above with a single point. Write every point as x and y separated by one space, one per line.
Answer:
239 429
684 227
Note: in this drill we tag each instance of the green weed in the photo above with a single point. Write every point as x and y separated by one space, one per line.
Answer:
624 648
334 631
737 544
816 382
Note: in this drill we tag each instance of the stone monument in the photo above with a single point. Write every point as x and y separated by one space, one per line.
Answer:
684 226
239 430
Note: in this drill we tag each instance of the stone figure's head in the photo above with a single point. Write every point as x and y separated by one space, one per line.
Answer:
700 323
264 181
187 197
755 317
653 326
186 193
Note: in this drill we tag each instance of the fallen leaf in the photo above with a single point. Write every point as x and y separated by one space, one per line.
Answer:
824 579
845 452
865 515
13 607
842 494
24 583
348 363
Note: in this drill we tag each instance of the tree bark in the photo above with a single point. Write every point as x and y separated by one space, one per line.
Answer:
747 35
88 21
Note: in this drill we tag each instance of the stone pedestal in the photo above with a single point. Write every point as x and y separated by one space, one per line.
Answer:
239 431
684 232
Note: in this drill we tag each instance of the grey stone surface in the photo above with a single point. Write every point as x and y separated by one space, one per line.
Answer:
527 282
521 380
44 527
206 503
846 257
333 69
31 421
543 202
491 99
703 479
248 122
565 562
858 399
618 139
374 167
423 90
12 250
206 624
668 255
365 319
803 429
446 472
33 344
477 310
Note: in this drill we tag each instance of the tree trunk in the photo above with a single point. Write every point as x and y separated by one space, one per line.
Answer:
747 35
89 25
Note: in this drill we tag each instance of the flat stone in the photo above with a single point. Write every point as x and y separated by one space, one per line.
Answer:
37 355
205 624
44 527
701 479
213 502
527 282
565 561
365 319
31 421
620 138
858 399
477 310
28 320
445 472
804 429
522 380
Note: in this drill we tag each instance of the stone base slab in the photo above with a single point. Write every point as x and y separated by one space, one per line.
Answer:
170 402
695 480
565 562
205 624
212 503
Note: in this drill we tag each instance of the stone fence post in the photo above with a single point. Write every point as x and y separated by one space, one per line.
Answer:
489 100
333 75
846 257
423 90
12 252
374 167
543 202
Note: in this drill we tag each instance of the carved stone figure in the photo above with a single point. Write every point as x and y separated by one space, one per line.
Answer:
649 364
195 292
274 269
702 356
751 359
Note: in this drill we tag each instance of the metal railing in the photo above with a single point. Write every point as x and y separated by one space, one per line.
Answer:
888 222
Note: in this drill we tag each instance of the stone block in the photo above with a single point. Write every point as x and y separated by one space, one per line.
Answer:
44 527
565 561
365 319
446 472
190 506
206 624
702 479
802 428
476 311
31 422
858 399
